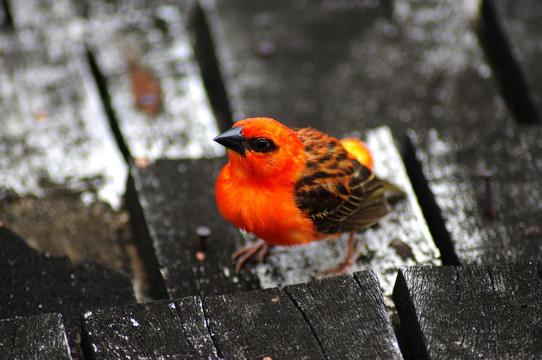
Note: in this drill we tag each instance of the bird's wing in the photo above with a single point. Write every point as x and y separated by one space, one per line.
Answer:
337 192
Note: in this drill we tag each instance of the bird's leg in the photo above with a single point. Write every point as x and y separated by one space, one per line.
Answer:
260 247
351 257
331 237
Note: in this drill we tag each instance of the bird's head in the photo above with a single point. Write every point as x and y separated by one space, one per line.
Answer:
263 148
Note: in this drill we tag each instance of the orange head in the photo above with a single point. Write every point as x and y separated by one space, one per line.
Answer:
264 149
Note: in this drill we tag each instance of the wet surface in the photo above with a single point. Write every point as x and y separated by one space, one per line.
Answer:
63 225
399 63
157 41
77 119
36 283
512 234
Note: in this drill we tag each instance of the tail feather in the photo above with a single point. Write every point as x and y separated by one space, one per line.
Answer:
388 186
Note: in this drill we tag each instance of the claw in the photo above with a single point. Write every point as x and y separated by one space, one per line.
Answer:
259 248
349 261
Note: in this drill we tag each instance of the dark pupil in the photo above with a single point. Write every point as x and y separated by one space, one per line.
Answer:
262 145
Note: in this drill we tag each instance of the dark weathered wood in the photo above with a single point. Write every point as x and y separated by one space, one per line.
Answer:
490 312
155 39
512 31
150 330
348 316
453 171
353 65
176 197
259 324
55 134
62 177
34 337
194 324
95 9
34 283
40 13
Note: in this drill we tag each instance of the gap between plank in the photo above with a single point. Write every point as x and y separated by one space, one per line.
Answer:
108 108
511 79
204 50
428 204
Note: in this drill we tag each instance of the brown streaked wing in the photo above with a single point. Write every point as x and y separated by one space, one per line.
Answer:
337 192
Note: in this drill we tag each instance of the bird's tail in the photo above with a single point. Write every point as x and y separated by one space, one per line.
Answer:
389 187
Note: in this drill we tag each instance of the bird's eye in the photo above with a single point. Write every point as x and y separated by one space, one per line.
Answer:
262 145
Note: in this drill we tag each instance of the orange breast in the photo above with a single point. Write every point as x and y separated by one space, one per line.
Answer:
267 211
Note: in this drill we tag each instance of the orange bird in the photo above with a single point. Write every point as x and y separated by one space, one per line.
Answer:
294 186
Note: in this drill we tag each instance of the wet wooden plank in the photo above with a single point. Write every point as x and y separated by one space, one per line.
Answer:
381 66
512 32
173 198
259 324
41 13
159 329
96 9
38 13
491 311
511 231
151 83
55 131
63 176
35 283
34 337
348 316
190 310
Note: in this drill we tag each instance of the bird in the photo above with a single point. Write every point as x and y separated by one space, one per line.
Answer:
293 186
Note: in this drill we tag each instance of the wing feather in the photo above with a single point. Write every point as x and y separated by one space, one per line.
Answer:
337 192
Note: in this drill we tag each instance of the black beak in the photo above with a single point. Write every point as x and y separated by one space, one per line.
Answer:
233 139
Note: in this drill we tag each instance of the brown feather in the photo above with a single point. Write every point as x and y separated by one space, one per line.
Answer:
337 192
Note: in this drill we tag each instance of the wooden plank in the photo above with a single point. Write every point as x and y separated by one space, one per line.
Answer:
62 177
95 9
452 168
41 13
259 324
348 316
149 330
53 120
174 198
34 337
196 332
512 32
490 312
383 65
35 283
146 53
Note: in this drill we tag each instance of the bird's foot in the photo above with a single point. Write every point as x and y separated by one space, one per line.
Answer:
343 267
259 248
351 257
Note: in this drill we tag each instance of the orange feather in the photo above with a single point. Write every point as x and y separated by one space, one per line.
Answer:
359 150
255 191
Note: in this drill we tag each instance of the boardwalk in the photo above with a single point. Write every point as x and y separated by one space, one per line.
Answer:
108 111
